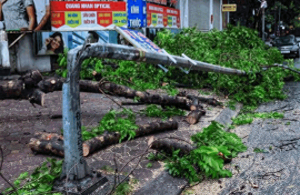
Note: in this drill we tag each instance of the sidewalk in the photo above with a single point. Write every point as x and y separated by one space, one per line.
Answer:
19 120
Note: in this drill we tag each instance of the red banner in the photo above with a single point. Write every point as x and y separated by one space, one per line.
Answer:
162 17
70 15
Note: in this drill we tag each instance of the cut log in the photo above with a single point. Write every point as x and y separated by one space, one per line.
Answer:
53 143
51 84
47 147
35 96
163 100
11 89
104 140
31 78
168 146
194 116
210 101
97 75
23 88
48 136
15 88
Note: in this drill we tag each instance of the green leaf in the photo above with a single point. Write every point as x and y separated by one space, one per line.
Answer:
23 176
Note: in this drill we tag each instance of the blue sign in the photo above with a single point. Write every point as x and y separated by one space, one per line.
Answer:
142 40
137 13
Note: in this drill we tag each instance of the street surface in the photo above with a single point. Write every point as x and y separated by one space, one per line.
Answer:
276 170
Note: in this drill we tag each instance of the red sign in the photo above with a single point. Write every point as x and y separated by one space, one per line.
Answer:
162 2
66 16
162 17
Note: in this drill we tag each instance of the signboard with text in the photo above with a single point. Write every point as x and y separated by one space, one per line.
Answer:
229 8
137 13
74 15
162 2
162 17
141 39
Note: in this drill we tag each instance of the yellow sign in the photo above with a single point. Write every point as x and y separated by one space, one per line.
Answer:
229 8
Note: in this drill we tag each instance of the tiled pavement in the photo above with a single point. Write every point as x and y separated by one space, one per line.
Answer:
19 120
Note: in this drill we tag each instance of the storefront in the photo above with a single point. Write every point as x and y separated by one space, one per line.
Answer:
62 25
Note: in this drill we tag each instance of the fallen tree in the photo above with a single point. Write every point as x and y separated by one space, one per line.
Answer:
32 86
24 88
51 143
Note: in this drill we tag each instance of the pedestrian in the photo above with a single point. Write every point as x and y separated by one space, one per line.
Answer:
18 14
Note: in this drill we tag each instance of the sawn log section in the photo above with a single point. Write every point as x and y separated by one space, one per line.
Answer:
53 143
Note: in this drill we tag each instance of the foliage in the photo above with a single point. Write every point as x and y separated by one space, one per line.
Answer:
40 181
154 157
258 150
123 189
236 47
212 143
139 76
155 111
122 122
149 165
248 118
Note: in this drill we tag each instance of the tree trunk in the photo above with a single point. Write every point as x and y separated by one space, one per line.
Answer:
55 147
168 146
31 79
53 143
51 84
194 116
48 136
104 140
210 101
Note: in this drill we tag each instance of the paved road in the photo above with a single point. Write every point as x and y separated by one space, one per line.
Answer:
276 170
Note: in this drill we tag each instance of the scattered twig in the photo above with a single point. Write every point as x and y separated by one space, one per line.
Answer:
1 175
140 158
281 66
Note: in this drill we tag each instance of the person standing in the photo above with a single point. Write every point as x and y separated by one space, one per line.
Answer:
18 14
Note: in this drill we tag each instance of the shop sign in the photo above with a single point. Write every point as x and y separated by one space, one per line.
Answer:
137 13
229 8
162 2
162 17
69 16
139 38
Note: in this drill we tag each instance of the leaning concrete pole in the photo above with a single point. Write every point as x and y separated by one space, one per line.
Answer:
74 164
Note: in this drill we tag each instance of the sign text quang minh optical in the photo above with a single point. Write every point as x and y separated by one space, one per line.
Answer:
68 16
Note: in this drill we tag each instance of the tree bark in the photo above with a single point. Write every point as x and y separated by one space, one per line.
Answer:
53 143
15 89
168 146
210 101
51 84
194 116
54 147
104 140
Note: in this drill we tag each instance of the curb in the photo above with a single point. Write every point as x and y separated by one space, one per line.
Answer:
165 183
225 116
